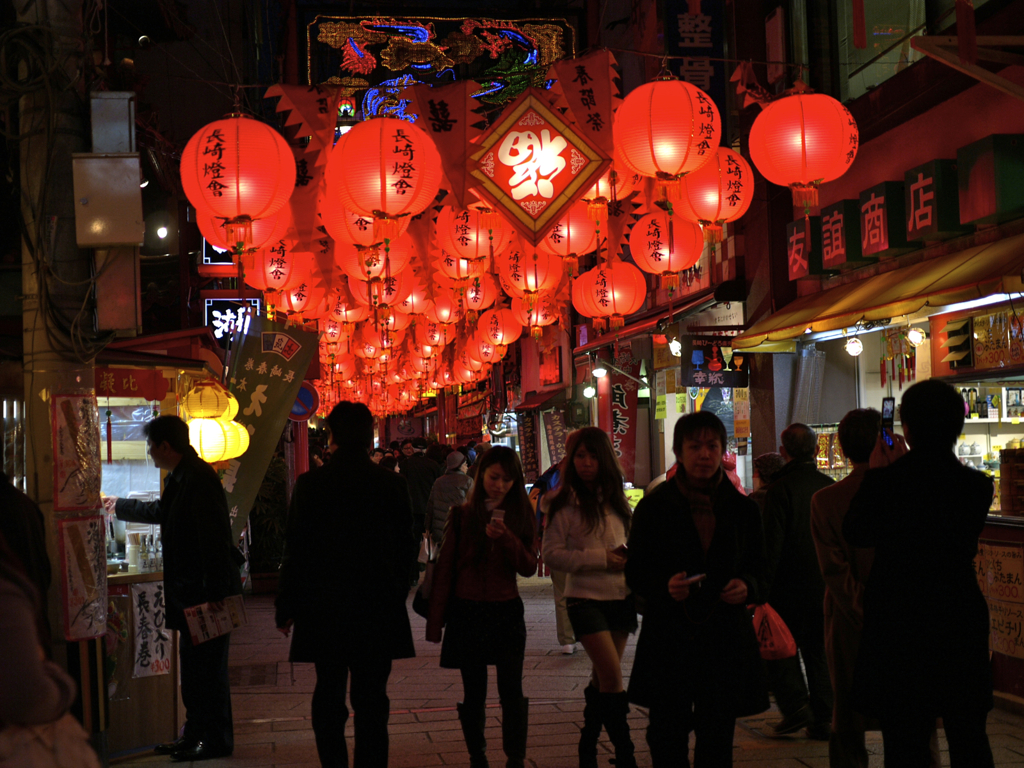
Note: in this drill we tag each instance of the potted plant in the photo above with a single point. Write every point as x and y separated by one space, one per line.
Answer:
267 523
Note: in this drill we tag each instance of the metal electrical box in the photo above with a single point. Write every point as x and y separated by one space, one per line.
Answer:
108 200
113 121
118 307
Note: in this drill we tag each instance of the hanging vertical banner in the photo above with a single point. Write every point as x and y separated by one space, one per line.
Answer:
453 119
556 433
624 415
741 412
83 576
527 429
660 393
587 85
152 638
695 30
267 369
76 453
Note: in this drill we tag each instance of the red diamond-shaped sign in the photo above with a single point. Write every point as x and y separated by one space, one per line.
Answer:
532 165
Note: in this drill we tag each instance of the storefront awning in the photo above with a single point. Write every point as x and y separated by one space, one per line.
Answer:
537 399
974 273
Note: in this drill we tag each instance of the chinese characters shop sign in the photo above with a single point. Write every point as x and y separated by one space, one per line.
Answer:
622 428
999 566
152 652
532 165
266 373
83 576
695 32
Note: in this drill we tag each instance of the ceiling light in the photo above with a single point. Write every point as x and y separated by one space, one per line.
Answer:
854 346
600 371
161 232
676 348
589 391
916 337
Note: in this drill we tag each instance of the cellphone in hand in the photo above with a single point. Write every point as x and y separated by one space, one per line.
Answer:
888 418
497 514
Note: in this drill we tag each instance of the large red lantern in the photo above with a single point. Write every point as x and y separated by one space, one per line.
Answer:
470 233
429 333
456 267
238 169
721 191
344 307
486 351
481 293
667 129
574 234
802 141
526 273
308 300
446 309
618 289
278 267
544 311
665 245
499 327
348 227
385 168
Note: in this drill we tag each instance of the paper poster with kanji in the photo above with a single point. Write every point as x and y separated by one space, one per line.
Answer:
623 427
82 544
76 453
152 652
267 369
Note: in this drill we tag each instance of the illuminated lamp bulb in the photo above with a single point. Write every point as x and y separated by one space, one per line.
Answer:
916 337
854 346
589 391
666 129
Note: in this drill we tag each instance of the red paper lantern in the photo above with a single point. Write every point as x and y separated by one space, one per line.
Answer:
575 234
376 261
418 300
269 229
499 327
802 141
525 273
486 351
481 293
344 307
617 183
446 309
385 168
544 311
721 191
346 226
618 289
429 333
278 267
666 129
345 366
308 300
238 169
583 295
665 245
470 233
456 267
388 291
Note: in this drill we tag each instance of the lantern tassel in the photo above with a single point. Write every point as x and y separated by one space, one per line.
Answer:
571 263
239 232
600 325
805 196
670 281
536 332
597 209
490 219
617 322
712 232
110 444
385 227
671 186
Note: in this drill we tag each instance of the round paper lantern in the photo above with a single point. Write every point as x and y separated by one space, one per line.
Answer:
499 327
206 400
238 169
544 311
457 267
470 233
385 168
218 439
345 366
278 267
583 295
618 289
666 129
388 291
344 307
430 333
488 352
370 262
269 229
617 183
346 226
721 191
418 300
445 309
308 300
232 410
802 141
574 234
526 273
665 245
481 293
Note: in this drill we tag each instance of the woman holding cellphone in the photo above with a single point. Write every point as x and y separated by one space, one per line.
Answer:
588 523
487 541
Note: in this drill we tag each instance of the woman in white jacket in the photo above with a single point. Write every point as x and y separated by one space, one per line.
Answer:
588 524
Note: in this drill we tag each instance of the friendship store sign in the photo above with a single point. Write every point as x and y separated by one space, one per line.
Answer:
532 165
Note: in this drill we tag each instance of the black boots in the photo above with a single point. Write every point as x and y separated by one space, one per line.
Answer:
514 721
473 731
614 708
591 730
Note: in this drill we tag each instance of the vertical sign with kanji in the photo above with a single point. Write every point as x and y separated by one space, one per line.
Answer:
695 31
556 433
152 651
932 201
624 415
883 223
266 373
76 453
840 235
803 247
526 426
83 578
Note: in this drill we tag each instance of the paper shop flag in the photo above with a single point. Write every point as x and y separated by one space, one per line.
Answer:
266 372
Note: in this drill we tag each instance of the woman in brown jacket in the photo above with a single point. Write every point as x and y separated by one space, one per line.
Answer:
487 541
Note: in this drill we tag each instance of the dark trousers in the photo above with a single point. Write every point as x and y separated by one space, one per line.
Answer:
205 691
474 684
807 624
907 740
370 704
668 735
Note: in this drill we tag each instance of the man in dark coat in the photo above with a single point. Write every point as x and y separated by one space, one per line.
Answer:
420 472
21 524
199 567
924 652
696 557
344 584
797 589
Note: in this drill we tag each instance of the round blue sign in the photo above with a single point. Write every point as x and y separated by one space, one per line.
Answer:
306 403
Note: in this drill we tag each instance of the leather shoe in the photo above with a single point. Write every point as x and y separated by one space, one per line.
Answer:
792 723
201 751
172 746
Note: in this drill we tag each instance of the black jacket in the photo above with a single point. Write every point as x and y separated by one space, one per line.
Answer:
421 473
700 648
926 623
345 575
199 563
793 573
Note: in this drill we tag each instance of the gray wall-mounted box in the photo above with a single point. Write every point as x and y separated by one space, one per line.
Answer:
108 200
113 121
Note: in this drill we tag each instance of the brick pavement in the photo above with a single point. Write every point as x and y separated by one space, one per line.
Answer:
271 700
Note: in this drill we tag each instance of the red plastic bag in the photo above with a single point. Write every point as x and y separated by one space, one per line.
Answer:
773 635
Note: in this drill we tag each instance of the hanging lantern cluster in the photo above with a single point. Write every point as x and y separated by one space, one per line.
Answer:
212 430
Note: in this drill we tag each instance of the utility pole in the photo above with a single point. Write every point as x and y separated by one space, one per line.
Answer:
58 325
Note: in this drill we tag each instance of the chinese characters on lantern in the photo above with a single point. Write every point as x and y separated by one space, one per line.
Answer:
404 168
213 162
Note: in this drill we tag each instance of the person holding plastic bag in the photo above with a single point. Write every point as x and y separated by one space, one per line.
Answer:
697 558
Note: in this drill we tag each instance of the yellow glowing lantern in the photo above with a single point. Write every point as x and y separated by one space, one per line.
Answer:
206 400
218 439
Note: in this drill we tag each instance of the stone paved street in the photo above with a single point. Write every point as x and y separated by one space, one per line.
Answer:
271 700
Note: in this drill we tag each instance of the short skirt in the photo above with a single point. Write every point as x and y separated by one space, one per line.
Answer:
483 632
588 616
